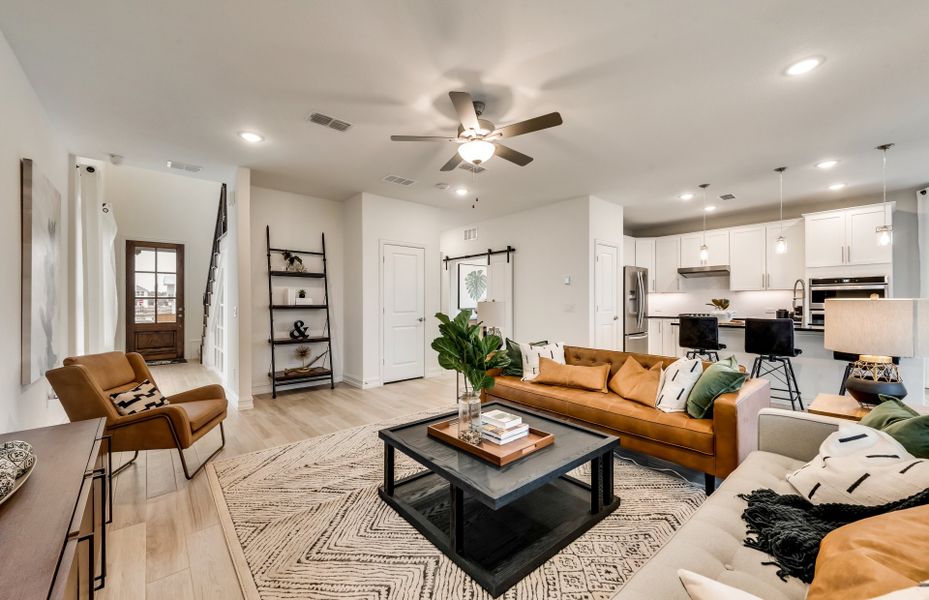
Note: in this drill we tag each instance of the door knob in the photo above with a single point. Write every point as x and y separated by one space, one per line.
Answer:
615 317
421 319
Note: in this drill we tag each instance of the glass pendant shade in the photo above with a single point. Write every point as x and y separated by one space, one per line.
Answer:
884 235
780 245
704 253
476 151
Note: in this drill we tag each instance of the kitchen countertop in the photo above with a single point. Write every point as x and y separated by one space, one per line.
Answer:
738 324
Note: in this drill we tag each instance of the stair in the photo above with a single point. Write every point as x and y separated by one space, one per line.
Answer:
219 232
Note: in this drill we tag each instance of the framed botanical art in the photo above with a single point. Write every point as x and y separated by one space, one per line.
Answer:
472 285
41 216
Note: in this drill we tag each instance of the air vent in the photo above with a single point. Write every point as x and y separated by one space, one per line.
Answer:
399 180
470 234
727 197
442 186
173 164
471 168
327 121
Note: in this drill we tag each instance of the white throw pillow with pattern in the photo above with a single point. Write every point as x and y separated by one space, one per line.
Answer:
531 354
676 383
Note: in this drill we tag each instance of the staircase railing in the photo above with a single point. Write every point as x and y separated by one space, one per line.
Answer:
218 233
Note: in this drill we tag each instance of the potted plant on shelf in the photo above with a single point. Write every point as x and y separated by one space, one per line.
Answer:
461 348
721 309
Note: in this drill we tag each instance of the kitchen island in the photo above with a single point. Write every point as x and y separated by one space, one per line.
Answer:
816 369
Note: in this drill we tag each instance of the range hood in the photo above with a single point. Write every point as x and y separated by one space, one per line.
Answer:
705 271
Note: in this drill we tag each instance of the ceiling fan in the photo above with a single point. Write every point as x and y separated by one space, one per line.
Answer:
477 138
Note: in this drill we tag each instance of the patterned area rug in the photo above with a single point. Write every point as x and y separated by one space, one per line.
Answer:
305 521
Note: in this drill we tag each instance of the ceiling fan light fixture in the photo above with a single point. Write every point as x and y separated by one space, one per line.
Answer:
461 191
476 151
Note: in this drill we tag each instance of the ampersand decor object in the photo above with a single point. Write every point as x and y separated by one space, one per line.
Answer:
299 332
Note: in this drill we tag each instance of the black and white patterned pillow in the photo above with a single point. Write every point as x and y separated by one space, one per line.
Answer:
142 397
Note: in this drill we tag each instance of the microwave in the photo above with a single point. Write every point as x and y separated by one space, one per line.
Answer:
825 288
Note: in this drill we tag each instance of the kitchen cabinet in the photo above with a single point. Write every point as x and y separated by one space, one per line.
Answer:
645 257
662 337
755 264
667 261
628 251
747 263
717 243
847 237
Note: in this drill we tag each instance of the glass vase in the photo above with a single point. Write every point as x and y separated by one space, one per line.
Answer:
469 418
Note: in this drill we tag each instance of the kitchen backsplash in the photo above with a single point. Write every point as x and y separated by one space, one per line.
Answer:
696 293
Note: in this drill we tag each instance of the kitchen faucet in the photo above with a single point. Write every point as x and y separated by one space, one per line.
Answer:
801 298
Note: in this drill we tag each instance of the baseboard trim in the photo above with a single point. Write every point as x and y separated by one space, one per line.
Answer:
357 382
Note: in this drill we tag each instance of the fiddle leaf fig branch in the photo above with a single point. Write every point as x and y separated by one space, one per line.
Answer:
461 348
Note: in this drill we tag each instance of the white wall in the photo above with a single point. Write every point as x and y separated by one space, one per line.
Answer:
27 133
162 207
353 286
296 222
389 220
552 242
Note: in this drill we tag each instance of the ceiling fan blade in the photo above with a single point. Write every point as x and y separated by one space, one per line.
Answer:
452 163
464 106
507 153
422 138
530 125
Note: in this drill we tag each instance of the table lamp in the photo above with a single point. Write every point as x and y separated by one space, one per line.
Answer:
493 315
877 330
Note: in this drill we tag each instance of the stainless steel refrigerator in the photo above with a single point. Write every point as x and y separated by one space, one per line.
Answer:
635 309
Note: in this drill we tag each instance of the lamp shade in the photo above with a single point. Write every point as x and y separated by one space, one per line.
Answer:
493 314
882 327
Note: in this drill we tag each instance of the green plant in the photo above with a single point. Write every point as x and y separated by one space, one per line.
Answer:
476 283
719 303
291 259
461 348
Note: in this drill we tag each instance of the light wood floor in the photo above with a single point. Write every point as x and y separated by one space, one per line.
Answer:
165 541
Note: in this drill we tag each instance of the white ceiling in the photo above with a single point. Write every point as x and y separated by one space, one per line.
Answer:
657 95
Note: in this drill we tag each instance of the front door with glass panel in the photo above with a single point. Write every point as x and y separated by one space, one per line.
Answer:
155 300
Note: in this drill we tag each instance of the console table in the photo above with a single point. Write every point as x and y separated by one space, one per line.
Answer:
53 530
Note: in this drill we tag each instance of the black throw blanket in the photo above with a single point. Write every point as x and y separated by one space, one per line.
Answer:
790 528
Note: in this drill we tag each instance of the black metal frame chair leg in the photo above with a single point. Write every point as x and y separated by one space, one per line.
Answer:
127 464
180 451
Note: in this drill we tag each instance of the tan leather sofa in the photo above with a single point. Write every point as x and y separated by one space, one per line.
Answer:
714 446
84 385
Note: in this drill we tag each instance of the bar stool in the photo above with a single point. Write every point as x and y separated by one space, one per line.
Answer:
773 341
700 335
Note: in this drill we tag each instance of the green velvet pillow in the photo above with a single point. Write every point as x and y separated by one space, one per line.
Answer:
719 378
902 423
515 368
888 412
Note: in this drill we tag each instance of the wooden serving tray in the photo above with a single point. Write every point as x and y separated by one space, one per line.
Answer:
498 455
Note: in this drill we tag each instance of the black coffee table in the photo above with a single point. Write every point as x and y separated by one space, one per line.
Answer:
500 523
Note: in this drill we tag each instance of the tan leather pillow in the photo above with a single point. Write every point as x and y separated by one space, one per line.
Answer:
585 378
635 382
873 556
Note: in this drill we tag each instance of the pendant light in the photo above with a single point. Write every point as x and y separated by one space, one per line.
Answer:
780 245
704 249
884 232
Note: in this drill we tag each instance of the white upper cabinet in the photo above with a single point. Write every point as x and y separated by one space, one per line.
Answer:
783 270
628 251
861 224
847 237
717 242
645 257
747 263
667 260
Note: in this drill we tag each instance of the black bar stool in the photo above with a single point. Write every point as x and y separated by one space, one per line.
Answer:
773 341
701 336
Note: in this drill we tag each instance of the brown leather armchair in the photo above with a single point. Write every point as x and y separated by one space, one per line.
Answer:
84 385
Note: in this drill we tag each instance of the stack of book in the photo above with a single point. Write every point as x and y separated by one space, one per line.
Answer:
502 427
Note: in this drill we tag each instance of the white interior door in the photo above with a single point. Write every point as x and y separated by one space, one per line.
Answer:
403 312
606 294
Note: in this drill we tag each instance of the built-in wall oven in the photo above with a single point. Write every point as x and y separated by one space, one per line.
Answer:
822 289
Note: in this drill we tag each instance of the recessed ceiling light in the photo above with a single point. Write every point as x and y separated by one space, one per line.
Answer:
251 137
461 191
835 187
802 67
686 196
710 208
826 164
